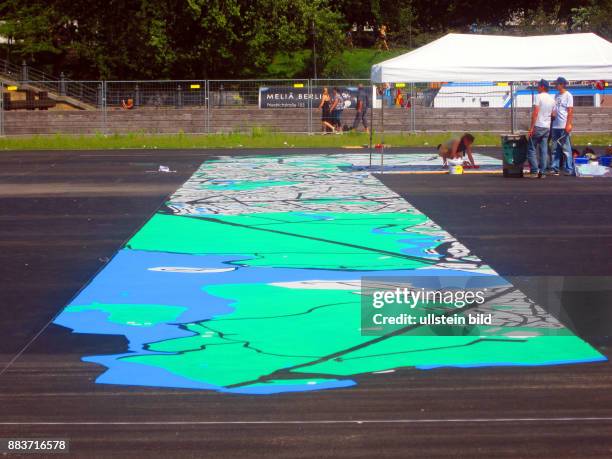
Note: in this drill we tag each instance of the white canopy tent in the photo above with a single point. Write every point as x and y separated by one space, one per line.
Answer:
461 57
470 58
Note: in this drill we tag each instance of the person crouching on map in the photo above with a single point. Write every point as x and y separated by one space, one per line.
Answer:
456 148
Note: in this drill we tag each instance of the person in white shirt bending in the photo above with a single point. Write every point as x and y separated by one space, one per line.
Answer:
539 131
562 128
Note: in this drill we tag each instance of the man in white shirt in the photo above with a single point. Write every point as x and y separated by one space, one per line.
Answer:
562 128
539 131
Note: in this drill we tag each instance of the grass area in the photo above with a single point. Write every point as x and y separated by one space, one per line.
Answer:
357 62
256 139
352 63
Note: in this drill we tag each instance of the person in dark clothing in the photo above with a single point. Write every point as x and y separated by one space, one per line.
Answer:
326 117
337 106
362 109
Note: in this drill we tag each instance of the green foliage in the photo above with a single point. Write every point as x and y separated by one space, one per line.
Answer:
169 38
156 39
596 17
290 65
356 62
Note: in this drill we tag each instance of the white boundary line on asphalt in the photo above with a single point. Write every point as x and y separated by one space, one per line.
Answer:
315 422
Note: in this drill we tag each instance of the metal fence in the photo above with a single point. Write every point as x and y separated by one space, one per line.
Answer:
289 106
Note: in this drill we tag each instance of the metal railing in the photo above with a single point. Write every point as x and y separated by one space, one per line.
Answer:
290 106
61 86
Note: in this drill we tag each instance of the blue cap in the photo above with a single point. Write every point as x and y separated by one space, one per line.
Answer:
543 83
562 81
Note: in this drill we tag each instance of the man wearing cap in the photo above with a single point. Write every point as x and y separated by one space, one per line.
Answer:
539 131
562 128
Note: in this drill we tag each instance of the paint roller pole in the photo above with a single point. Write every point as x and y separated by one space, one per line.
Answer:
512 126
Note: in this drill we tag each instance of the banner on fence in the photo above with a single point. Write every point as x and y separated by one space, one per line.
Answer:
298 97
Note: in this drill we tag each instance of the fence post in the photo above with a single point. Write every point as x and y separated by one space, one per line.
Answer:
179 96
310 132
207 96
1 109
136 95
62 88
103 88
24 71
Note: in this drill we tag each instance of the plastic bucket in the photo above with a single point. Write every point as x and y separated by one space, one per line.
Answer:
455 170
606 161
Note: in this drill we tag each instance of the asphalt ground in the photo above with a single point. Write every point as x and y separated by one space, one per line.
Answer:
64 214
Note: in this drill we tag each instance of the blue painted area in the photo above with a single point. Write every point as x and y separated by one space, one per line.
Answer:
129 373
416 245
263 390
135 374
96 322
128 279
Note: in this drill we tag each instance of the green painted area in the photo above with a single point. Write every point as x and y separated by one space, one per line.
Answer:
327 240
248 185
271 328
137 315
275 328
220 365
271 318
459 351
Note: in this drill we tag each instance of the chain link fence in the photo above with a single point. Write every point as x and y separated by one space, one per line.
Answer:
254 105
288 106
157 107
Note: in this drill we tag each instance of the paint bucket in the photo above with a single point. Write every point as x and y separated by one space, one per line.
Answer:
606 161
455 170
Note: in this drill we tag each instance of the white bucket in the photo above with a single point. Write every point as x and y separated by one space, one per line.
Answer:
455 170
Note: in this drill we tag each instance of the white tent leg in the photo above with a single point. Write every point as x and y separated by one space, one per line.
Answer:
372 123
382 137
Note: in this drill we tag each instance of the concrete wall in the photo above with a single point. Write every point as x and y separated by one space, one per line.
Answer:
587 119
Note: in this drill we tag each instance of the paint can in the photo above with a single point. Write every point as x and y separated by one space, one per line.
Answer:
455 170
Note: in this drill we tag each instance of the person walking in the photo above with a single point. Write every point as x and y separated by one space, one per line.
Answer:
563 114
382 38
337 106
539 130
325 106
362 108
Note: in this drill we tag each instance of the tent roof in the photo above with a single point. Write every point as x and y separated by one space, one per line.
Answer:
463 57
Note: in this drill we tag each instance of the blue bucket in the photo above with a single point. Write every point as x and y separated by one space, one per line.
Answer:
605 161
581 160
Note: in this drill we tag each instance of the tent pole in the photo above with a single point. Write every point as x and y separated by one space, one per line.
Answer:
382 136
372 120
512 126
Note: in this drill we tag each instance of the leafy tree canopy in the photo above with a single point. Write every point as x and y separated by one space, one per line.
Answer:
154 39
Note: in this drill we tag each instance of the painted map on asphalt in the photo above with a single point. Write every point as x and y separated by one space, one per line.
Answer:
248 281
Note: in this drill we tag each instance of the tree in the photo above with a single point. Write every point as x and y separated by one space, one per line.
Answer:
167 38
595 17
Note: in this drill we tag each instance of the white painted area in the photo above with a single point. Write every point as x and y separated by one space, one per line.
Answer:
542 420
190 270
320 284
